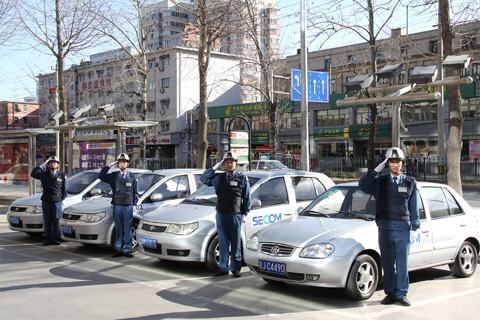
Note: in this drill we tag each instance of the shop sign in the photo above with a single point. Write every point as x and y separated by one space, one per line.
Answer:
242 154
261 135
381 130
157 140
474 147
92 155
239 139
328 133
247 109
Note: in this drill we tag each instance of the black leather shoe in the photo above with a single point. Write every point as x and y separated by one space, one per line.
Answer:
128 254
220 273
388 300
47 243
117 254
236 274
56 243
404 302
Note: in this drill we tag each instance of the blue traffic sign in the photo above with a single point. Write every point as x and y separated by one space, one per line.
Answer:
317 86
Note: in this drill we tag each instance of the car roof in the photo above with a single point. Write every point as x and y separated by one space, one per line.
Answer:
171 172
266 173
419 183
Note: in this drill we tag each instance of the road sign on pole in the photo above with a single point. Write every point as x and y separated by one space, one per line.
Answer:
317 86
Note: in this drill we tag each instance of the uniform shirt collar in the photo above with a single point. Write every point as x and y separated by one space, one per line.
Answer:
230 176
400 178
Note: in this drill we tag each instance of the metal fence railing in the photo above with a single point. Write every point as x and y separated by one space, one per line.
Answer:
343 167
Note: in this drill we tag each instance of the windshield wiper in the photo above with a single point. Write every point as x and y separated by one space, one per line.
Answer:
353 214
316 212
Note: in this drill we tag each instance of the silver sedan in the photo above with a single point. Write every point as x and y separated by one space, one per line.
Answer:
333 243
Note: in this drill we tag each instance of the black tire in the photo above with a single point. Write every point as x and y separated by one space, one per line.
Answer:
211 259
134 237
89 244
363 278
274 282
466 261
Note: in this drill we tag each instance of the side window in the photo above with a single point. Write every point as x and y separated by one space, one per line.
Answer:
103 186
173 188
254 165
271 193
261 165
197 181
452 203
436 202
318 186
421 210
304 189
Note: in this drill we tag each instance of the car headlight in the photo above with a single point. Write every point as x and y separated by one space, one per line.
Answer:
182 229
34 209
92 217
252 243
317 251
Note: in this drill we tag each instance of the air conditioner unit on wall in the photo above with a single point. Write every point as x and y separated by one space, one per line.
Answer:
161 68
162 111
162 90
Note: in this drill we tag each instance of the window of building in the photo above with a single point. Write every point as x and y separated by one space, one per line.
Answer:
110 71
420 111
165 61
378 55
406 52
166 42
468 41
471 108
465 72
165 83
351 59
332 117
385 115
151 106
212 125
292 120
25 108
90 75
165 126
138 107
151 63
164 104
151 85
238 124
130 87
328 63
260 122
129 69
15 119
333 86
433 46
363 115
16 108
81 77
25 122
100 74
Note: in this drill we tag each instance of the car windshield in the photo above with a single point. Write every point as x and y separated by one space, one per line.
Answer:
207 196
344 203
80 181
146 180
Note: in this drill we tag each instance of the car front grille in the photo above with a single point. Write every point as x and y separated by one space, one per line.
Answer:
70 216
17 225
289 275
276 249
153 228
34 226
69 235
158 250
18 209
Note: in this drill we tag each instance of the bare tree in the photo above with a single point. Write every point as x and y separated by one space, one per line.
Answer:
359 19
60 28
7 20
212 20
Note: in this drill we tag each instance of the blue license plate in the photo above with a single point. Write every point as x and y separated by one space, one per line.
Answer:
14 220
274 267
148 243
66 229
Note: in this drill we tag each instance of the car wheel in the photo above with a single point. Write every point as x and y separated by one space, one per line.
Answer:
275 282
362 279
466 261
134 236
112 239
213 253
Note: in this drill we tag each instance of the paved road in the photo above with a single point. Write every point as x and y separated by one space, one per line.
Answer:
72 281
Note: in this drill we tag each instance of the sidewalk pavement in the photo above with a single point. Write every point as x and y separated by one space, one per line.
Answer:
12 192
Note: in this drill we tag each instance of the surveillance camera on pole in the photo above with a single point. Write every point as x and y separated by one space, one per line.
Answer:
54 116
359 82
106 108
424 74
456 62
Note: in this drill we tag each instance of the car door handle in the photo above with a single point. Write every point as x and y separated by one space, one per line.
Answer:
425 231
288 214
463 224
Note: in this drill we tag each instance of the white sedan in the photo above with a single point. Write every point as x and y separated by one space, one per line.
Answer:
333 243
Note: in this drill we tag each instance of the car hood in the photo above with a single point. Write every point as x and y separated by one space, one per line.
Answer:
92 205
181 213
29 201
301 231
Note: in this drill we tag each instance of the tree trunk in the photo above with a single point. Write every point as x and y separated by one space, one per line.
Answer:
203 59
62 103
373 107
454 142
273 106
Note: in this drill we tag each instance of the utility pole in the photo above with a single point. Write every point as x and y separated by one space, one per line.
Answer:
441 135
57 106
304 163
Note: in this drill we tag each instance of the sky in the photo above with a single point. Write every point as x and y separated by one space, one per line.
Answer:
20 63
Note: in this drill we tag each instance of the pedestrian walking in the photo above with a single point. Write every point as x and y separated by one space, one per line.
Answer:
54 192
397 221
125 196
233 205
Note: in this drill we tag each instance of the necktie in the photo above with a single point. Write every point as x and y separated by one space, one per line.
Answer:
123 175
395 180
229 177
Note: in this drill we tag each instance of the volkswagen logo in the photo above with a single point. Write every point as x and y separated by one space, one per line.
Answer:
275 249
69 216
17 208
152 228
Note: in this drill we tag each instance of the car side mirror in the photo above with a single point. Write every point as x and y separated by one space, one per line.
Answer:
156 197
95 192
300 209
256 204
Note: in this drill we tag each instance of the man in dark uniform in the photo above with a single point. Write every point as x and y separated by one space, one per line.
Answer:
54 192
233 205
397 220
125 196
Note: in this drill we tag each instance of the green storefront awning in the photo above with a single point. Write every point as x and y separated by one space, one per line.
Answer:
382 130
247 109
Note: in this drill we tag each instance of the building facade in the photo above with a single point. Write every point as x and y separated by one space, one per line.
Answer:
19 115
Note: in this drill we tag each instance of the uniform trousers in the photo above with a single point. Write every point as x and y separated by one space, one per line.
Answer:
394 249
123 216
229 238
51 213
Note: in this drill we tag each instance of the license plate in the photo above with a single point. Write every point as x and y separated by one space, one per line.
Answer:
14 220
148 243
274 267
66 229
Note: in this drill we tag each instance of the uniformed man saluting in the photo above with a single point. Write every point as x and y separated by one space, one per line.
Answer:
233 205
397 220
125 196
54 192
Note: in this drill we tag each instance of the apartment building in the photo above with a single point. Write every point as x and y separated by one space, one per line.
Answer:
19 114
